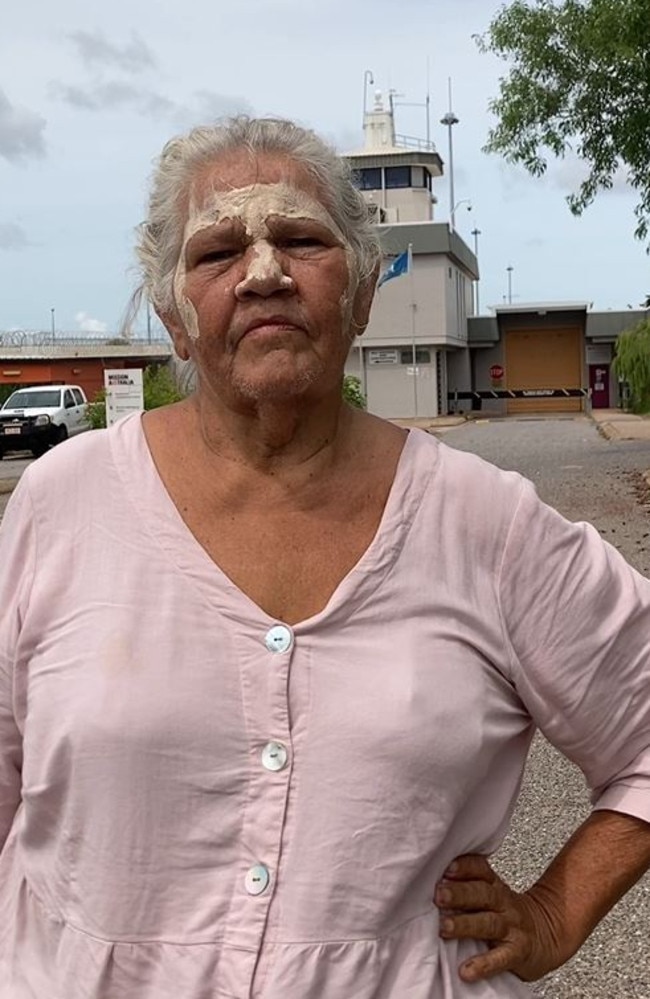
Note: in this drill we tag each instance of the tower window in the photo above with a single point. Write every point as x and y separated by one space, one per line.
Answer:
422 356
368 179
398 176
418 176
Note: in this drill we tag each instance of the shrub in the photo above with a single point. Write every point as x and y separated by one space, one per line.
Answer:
632 365
352 392
158 387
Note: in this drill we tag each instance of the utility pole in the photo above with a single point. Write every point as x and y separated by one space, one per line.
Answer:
449 120
477 308
53 324
368 78
510 269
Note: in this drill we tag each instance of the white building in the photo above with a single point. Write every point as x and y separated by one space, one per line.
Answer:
417 339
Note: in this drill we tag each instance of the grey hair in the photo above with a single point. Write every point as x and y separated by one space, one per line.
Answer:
160 237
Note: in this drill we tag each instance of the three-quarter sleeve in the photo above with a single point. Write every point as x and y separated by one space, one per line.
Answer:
576 621
17 562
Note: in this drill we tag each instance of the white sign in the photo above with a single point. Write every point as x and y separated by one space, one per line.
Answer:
599 353
123 393
383 356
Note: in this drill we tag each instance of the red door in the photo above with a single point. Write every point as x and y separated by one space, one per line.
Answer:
599 385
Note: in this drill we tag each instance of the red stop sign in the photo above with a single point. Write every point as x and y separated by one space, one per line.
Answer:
496 372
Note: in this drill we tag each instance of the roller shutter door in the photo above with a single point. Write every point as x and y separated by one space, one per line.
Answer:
544 359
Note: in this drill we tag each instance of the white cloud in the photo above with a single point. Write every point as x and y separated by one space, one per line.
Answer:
113 95
96 50
21 132
569 173
12 236
89 325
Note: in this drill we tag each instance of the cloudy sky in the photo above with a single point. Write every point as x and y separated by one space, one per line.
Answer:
90 91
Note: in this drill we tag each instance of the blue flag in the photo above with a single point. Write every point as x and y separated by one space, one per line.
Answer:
399 266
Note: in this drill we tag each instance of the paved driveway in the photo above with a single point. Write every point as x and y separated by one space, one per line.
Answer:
585 477
10 471
14 466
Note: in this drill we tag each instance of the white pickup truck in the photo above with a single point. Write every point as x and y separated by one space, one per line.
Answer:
33 419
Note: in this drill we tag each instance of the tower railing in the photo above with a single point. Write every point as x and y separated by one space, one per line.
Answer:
411 142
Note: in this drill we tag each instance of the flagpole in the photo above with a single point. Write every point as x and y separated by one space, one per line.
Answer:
413 347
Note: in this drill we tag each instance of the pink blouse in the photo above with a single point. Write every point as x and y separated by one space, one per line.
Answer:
199 802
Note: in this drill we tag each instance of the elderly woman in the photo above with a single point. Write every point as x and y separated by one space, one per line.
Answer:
270 667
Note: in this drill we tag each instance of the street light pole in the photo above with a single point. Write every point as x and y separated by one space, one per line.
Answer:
477 308
463 201
53 325
510 269
449 120
368 78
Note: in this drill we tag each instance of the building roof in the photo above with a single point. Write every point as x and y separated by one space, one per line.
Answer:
395 156
157 350
606 326
600 327
428 237
541 307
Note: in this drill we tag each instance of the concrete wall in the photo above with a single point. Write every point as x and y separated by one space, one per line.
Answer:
404 204
443 297
389 387
392 314
459 375
392 389
610 324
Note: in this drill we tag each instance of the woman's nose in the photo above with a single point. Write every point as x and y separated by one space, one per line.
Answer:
264 274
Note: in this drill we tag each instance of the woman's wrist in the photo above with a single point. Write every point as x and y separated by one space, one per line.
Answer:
557 938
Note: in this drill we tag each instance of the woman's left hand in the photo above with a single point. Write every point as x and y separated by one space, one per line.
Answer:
476 904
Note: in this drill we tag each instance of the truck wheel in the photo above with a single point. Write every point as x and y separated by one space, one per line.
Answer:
39 449
61 434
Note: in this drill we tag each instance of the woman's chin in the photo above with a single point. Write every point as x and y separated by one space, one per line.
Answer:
281 382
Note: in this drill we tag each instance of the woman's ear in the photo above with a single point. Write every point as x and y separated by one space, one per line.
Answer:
174 326
363 302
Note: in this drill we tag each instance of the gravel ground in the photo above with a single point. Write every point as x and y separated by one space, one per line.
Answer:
586 478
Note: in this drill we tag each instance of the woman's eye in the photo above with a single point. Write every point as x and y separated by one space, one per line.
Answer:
302 242
217 256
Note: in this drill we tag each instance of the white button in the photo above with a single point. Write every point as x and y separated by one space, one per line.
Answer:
279 638
274 756
257 880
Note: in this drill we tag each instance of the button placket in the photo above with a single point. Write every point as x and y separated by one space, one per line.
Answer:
265 663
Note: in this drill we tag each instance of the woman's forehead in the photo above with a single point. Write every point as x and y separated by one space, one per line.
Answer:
254 189
243 169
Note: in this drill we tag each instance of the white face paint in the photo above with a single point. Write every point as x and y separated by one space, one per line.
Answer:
253 206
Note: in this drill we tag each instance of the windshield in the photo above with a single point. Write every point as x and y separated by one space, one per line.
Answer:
33 400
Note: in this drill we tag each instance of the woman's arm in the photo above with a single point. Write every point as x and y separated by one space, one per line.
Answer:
17 567
532 932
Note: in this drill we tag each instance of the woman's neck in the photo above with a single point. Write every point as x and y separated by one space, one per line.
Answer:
271 436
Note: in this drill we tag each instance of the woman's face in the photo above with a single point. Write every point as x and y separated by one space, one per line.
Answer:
265 288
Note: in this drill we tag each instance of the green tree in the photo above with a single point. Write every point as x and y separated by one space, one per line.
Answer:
579 80
158 387
632 364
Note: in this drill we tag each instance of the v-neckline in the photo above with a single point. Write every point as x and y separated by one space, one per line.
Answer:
163 522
